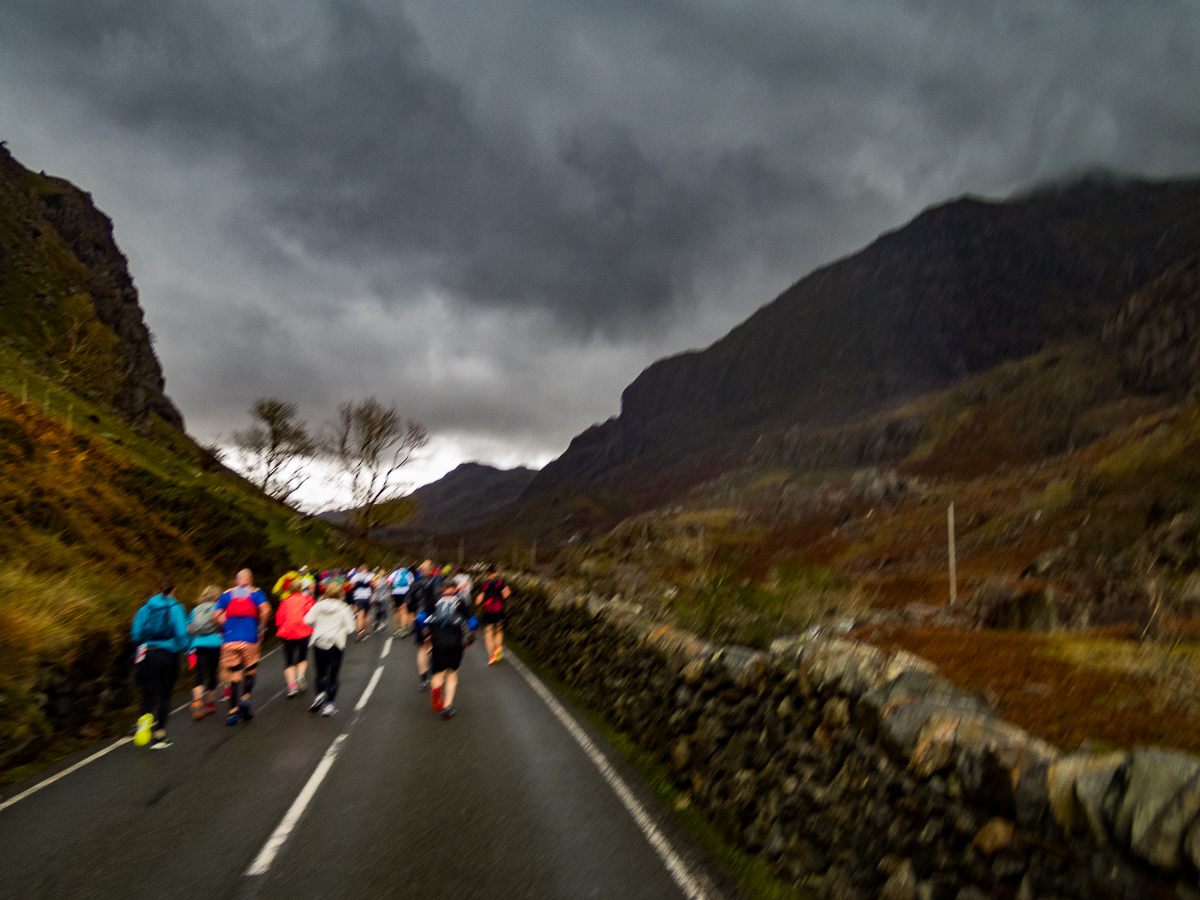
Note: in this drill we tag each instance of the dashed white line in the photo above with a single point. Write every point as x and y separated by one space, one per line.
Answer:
675 866
387 648
366 695
266 856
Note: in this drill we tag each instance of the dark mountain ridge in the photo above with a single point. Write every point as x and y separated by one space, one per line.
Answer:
963 287
469 494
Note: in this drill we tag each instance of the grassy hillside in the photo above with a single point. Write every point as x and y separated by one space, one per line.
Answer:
92 513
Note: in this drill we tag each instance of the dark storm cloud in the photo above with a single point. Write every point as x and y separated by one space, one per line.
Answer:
361 144
356 148
550 193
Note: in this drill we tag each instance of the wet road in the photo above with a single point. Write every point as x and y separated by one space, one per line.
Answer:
515 797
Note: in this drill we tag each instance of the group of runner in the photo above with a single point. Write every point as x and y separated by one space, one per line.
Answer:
223 635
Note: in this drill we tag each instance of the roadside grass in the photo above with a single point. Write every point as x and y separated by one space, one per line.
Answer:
752 875
92 513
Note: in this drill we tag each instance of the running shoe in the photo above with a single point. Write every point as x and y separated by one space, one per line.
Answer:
197 710
318 702
499 654
493 659
145 723
292 690
225 692
210 708
235 716
448 712
423 684
435 699
301 683
329 710
244 709
161 744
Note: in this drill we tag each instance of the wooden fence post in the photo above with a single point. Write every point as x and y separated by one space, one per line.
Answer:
953 555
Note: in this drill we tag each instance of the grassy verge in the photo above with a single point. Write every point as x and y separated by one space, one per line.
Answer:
751 874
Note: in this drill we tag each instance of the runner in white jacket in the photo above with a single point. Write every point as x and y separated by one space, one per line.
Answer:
332 623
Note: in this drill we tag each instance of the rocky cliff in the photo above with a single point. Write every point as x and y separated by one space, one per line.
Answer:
1157 332
67 302
961 288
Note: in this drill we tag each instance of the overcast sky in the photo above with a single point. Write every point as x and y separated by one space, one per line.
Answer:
497 212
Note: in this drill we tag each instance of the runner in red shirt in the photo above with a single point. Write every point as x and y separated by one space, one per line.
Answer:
492 595
289 625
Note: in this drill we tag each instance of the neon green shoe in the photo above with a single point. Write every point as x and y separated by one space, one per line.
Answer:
141 737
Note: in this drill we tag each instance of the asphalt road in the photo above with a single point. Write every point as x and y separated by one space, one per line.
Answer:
502 801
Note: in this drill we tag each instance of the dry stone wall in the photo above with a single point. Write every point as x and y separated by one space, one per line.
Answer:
859 773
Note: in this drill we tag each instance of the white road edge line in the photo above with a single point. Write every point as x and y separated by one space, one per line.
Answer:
366 695
64 773
675 866
266 856
83 762
387 648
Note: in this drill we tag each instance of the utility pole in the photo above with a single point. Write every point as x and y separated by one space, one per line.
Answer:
953 555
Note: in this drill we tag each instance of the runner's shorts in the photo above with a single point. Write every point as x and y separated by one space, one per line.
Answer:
492 618
295 651
239 654
445 658
206 666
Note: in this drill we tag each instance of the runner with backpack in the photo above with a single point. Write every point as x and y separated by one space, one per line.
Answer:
445 628
242 612
160 630
422 597
492 595
400 579
206 650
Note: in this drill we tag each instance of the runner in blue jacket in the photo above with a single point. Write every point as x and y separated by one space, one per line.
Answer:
160 630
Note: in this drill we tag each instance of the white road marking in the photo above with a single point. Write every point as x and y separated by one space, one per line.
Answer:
387 648
64 773
676 867
266 856
366 695
83 762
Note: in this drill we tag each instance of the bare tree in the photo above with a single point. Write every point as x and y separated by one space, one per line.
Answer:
275 449
370 444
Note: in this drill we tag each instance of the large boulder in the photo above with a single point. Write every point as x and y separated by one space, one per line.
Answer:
1159 804
1013 606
